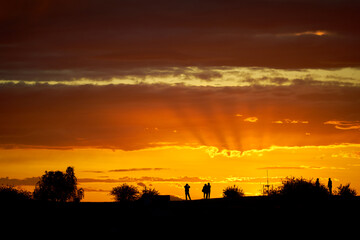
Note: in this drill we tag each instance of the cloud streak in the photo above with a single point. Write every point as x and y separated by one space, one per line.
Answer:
137 169
19 182
345 125
142 179
300 168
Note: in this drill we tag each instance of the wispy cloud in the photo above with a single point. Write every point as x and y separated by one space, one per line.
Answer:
251 119
314 33
291 121
344 125
143 179
301 167
282 167
18 182
253 179
137 169
214 151
343 154
125 170
93 171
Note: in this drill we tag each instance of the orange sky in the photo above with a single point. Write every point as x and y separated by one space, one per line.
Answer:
168 168
170 92
163 136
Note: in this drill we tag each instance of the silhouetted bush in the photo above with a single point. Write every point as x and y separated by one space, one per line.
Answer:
233 192
125 193
58 187
149 193
345 191
300 188
12 194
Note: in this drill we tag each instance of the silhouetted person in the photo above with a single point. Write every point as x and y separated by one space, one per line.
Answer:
330 186
204 190
208 190
317 183
187 194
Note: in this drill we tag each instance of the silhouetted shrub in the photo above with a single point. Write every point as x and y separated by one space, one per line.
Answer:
233 192
125 193
58 187
345 191
300 188
149 193
12 194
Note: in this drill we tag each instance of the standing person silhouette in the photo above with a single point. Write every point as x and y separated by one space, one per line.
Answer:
330 186
204 190
208 191
187 194
317 183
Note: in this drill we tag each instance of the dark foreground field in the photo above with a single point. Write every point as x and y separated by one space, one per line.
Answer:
111 217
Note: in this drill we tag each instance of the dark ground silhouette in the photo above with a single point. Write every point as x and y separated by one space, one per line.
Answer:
100 217
298 202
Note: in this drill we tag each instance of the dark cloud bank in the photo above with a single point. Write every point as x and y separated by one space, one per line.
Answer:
63 40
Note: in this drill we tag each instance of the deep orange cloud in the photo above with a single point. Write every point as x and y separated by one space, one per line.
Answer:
131 117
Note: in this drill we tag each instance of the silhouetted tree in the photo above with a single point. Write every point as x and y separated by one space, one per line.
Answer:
71 183
80 193
58 187
345 191
125 193
233 192
12 194
300 188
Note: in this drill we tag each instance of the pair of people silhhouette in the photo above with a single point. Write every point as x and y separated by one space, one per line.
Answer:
206 190
317 184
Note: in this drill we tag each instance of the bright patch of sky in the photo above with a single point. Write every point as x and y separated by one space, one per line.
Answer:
221 76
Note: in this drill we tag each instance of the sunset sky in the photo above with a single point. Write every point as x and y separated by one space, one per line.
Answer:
163 93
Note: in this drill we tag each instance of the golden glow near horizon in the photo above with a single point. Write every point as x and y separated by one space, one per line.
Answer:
168 168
